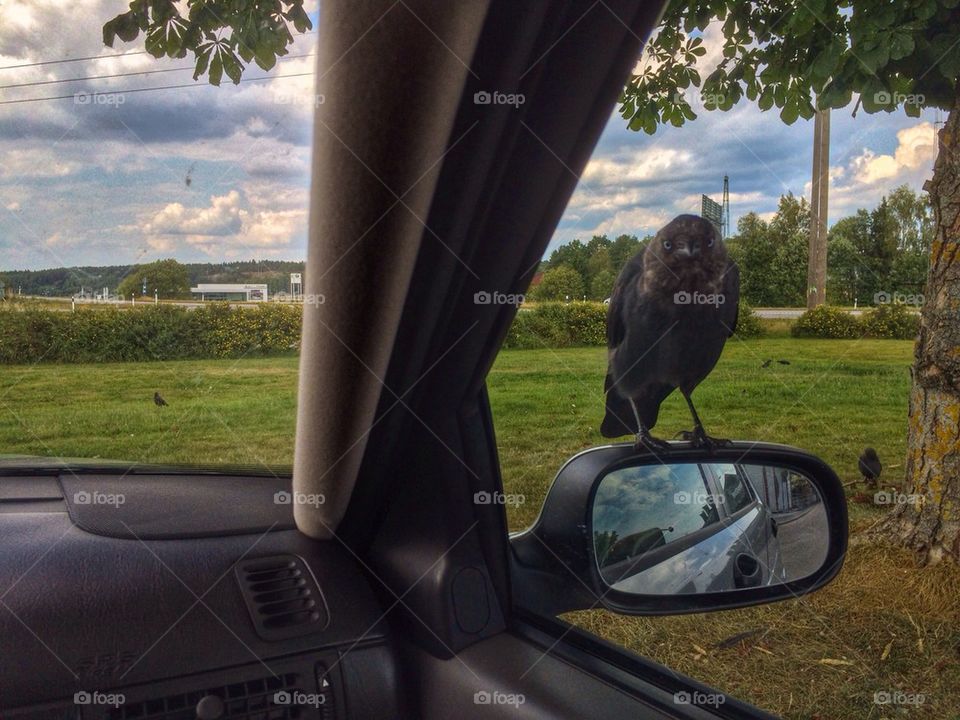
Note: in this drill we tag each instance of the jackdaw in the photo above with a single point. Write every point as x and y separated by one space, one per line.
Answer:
672 309
870 467
158 400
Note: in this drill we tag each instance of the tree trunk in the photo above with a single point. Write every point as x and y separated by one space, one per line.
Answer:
927 520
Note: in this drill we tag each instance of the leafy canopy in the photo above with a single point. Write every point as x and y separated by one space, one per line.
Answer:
223 35
168 278
797 56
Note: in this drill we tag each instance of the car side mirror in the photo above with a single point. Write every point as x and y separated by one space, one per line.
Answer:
686 530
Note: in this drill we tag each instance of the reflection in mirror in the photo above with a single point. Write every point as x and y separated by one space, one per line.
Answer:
689 528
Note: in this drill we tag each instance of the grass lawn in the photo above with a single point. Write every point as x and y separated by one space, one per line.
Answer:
882 626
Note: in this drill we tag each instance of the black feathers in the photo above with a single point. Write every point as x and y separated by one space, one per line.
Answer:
870 467
158 400
672 309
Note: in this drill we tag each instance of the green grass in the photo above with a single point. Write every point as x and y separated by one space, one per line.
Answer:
239 412
835 397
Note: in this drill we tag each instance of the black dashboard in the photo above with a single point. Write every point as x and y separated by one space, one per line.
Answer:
170 594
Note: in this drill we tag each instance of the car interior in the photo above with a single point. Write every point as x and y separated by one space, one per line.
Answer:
369 583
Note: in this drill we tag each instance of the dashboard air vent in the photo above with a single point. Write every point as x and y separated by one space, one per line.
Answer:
282 597
256 699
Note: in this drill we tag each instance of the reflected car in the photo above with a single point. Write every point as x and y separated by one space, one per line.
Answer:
697 527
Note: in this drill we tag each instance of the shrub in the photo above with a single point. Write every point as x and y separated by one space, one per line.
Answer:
893 320
825 321
156 332
748 324
553 324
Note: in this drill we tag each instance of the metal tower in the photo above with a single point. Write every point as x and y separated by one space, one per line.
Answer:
725 223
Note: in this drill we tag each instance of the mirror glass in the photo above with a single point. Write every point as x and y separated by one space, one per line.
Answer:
699 527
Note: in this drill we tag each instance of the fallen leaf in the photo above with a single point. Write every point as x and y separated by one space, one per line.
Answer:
834 661
886 651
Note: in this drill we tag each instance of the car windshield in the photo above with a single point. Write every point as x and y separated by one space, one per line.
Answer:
152 245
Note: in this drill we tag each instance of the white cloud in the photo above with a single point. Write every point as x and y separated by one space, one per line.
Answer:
915 148
222 217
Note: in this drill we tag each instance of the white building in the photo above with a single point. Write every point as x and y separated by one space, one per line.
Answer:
236 292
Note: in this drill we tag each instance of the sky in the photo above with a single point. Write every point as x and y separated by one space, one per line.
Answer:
207 174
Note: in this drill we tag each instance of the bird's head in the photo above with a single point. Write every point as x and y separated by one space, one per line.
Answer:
687 253
870 453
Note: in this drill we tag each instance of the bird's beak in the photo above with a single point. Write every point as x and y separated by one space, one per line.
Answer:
684 252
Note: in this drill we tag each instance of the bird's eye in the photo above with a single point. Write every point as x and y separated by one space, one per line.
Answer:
710 242
667 245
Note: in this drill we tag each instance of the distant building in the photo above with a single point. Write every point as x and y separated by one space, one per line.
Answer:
236 292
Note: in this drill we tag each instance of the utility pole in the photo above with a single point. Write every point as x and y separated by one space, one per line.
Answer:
820 182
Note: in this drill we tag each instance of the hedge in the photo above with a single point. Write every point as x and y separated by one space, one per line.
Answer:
167 332
893 321
160 332
556 324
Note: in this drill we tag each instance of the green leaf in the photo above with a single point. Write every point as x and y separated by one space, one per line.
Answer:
216 68
790 113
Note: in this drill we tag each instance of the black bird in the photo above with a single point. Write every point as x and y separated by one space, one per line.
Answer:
870 467
158 400
671 311
766 363
783 362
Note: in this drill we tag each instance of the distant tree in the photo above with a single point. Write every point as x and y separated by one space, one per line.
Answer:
168 278
601 286
574 255
789 232
623 248
559 283
773 256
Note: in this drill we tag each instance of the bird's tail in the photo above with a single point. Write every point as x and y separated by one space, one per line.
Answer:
618 419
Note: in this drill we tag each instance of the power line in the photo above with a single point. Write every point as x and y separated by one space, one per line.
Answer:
149 89
125 74
98 57
70 60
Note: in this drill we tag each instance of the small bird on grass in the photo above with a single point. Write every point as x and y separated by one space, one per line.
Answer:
766 363
158 400
870 467
672 309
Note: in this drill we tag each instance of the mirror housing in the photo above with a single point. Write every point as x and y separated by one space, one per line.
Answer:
554 568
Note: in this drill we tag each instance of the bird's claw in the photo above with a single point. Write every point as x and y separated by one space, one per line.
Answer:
647 442
699 439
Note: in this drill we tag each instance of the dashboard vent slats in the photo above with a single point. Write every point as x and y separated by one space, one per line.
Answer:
251 700
282 597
